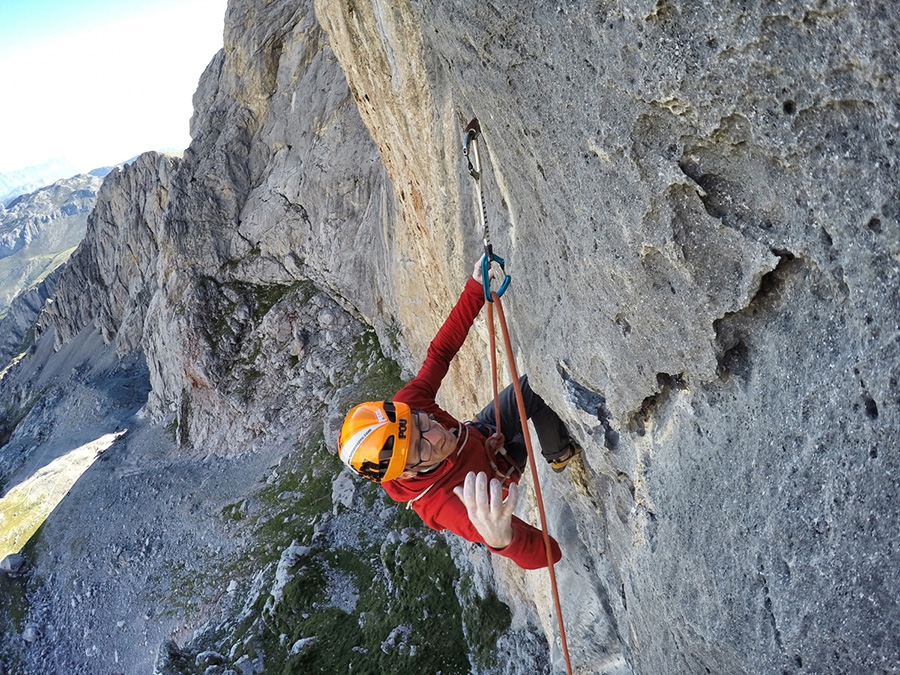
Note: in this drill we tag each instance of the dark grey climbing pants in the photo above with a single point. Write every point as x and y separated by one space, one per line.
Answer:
551 432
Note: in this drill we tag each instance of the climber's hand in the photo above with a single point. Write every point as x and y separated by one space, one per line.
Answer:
476 272
488 512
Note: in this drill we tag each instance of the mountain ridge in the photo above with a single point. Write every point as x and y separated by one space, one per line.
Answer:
38 229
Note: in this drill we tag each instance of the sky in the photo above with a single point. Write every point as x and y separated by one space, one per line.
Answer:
96 82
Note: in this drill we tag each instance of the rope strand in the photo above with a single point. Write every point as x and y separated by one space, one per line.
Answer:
520 402
494 386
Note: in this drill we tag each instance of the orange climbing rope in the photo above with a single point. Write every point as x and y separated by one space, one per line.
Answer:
527 435
470 151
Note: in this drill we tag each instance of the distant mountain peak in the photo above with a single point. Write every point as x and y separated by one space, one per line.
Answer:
38 227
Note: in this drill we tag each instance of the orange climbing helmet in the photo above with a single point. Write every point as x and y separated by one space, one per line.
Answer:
374 439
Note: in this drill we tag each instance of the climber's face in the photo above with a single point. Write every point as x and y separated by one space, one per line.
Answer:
429 445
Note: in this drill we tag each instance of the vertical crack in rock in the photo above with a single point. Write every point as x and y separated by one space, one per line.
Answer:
767 603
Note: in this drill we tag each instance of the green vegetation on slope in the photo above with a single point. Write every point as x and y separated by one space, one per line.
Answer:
364 585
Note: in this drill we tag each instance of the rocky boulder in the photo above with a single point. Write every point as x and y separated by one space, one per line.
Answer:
12 564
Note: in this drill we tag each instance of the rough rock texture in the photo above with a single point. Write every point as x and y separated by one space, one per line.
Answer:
119 256
698 208
38 230
281 186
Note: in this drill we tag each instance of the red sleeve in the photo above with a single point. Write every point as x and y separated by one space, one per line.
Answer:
424 386
526 548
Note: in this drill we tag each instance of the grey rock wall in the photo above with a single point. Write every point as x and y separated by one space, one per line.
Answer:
696 203
280 188
116 264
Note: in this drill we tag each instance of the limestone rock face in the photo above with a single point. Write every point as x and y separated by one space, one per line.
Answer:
280 192
117 261
698 208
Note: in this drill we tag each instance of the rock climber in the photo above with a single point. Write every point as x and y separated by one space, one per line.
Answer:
449 472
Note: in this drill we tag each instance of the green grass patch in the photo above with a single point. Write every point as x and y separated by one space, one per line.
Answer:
291 506
402 615
486 619
406 619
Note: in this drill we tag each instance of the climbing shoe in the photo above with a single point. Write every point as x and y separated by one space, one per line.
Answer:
572 451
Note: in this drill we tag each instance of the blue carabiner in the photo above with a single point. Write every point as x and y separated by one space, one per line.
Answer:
486 261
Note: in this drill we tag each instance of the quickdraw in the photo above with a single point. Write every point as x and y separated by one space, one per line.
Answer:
470 151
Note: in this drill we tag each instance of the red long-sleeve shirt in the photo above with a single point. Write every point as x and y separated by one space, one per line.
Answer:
431 494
